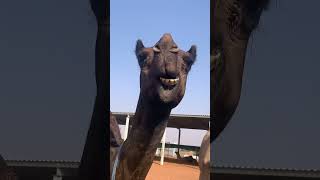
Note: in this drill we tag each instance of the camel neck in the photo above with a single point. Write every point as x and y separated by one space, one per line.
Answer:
150 116
139 149
149 123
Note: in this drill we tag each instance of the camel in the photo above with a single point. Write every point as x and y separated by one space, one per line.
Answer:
115 140
204 157
94 161
233 22
188 159
163 76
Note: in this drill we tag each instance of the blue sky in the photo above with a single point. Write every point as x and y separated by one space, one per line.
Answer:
188 23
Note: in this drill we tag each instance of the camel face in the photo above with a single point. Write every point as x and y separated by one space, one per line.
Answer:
164 69
233 22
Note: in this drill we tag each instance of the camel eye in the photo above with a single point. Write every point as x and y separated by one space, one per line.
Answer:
216 58
156 48
216 54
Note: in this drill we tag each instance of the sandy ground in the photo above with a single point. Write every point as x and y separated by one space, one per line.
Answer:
173 171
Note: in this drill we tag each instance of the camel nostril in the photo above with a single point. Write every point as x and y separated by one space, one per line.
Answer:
170 76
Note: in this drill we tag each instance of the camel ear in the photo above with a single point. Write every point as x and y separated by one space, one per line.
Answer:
193 53
139 53
190 56
139 47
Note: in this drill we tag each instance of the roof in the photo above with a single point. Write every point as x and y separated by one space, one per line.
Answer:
43 163
310 173
175 120
44 169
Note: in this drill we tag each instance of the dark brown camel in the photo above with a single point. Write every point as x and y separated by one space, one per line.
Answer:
115 140
115 135
233 22
94 160
204 158
188 159
95 157
163 76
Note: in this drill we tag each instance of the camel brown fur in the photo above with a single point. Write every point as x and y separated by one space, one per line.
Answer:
95 158
115 140
233 22
115 135
204 158
188 159
163 76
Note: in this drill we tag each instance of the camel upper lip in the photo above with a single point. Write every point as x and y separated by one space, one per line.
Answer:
169 81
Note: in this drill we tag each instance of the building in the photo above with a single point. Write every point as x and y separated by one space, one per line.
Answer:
42 169
67 170
252 173
6 173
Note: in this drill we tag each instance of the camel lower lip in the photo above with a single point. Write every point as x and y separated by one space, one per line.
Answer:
166 93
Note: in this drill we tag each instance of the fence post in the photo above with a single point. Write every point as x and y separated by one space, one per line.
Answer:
163 146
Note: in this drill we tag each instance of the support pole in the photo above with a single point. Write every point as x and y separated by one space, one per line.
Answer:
126 129
163 146
179 140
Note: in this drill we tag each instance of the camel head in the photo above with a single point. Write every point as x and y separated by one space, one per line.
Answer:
233 22
163 71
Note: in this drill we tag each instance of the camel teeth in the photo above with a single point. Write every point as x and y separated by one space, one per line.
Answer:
169 82
173 81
